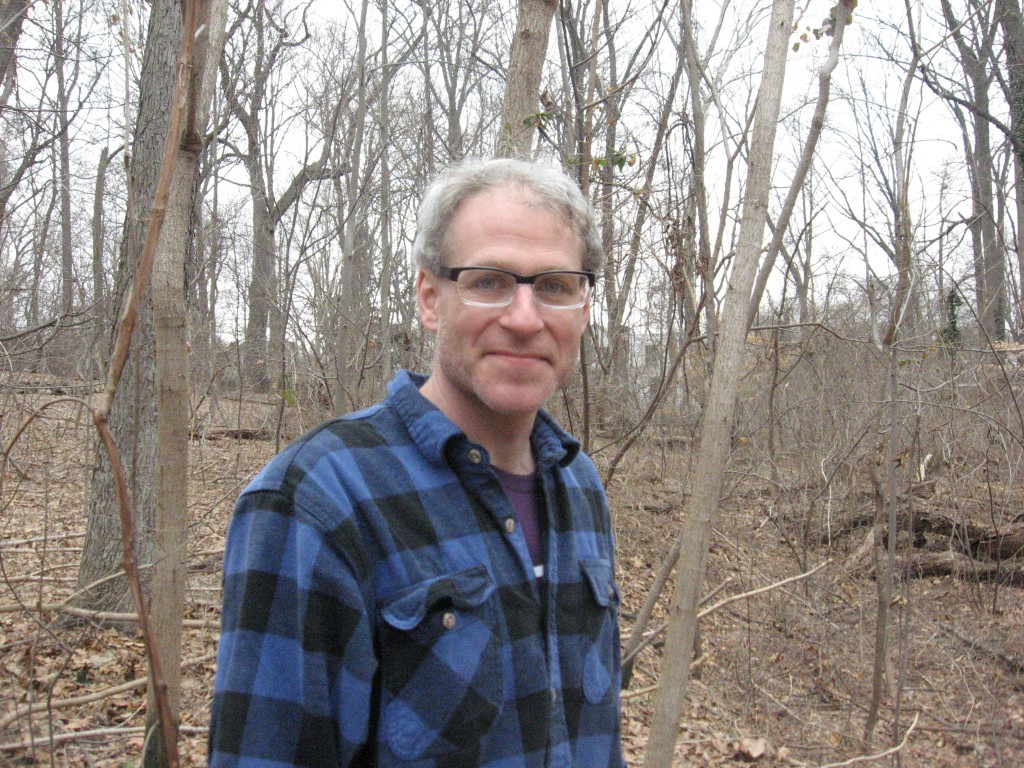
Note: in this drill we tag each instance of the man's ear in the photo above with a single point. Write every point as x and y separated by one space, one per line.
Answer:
428 294
584 317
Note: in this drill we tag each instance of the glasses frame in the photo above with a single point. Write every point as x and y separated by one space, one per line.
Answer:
452 273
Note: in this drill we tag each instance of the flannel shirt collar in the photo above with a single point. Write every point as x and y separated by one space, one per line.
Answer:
436 435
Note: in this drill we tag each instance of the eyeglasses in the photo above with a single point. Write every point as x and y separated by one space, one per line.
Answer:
492 287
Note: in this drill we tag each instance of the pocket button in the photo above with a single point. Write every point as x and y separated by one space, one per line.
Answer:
448 621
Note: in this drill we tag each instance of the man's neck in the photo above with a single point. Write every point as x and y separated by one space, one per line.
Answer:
512 453
505 436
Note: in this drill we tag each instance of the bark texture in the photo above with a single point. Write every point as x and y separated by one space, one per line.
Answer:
172 373
714 443
133 417
520 108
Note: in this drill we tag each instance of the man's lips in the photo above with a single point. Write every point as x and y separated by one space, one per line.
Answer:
519 357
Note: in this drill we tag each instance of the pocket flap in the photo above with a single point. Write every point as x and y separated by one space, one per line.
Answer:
465 589
598 573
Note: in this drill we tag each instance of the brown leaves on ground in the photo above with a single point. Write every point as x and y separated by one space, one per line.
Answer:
784 678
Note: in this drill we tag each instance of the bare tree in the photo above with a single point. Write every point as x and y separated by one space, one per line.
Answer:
1012 23
258 42
460 64
12 20
172 374
63 117
132 419
522 89
974 38
715 433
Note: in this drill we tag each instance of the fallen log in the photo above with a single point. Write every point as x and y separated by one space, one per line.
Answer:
950 563
233 434
1002 544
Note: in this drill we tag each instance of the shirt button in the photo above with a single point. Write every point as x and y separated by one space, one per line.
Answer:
474 456
448 620
554 695
510 525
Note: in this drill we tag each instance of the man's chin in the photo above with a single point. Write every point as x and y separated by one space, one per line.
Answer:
511 399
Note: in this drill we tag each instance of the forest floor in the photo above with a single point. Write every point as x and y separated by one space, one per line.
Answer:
784 677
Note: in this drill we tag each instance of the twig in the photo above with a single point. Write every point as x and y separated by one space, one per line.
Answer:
43 706
627 695
131 685
776 585
60 738
1013 664
54 322
649 637
8 543
879 755
654 633
6 458
85 613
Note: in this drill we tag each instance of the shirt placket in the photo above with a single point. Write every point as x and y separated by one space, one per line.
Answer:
559 754
488 489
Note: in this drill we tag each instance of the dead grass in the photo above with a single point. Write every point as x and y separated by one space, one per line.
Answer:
787 673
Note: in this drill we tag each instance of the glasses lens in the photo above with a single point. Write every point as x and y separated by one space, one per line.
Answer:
563 290
486 287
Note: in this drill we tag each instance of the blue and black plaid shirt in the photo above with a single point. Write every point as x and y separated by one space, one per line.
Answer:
381 609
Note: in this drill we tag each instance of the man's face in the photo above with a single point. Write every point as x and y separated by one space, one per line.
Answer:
504 361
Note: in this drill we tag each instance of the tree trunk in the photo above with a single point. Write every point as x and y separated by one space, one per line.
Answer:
249 80
172 405
12 17
714 443
619 363
803 169
704 262
67 277
133 417
262 293
1012 22
989 261
99 298
386 336
351 215
519 111
886 500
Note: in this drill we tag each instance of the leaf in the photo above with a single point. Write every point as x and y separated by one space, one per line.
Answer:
752 749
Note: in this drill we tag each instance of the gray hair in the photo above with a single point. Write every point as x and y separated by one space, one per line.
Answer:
545 186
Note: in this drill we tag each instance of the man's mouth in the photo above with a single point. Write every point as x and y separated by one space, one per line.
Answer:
517 357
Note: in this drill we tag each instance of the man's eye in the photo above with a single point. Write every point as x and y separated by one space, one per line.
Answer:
554 286
486 282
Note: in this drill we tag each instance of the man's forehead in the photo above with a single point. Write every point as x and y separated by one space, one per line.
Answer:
492 202
517 193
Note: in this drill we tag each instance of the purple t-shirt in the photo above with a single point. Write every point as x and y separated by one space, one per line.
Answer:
520 490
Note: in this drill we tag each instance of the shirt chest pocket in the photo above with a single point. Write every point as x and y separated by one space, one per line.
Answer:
440 661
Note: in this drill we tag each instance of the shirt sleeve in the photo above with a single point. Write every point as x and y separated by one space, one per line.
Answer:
295 662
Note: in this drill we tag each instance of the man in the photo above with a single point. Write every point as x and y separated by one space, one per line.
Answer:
429 582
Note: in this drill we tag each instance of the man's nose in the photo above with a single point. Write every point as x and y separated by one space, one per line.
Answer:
523 314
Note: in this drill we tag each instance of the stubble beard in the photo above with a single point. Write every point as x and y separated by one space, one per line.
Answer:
466 379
